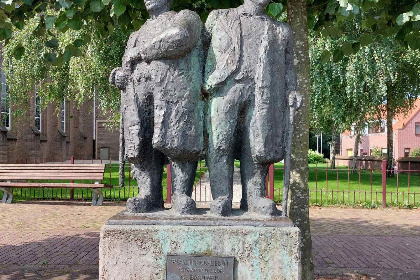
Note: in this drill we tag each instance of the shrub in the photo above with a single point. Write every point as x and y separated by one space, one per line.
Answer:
415 152
376 152
315 157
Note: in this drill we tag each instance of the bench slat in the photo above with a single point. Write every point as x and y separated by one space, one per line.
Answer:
52 165
42 171
53 185
50 168
66 176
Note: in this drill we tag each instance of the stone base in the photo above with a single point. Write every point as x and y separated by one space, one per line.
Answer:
136 246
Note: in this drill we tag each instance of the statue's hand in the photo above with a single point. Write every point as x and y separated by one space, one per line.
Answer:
295 98
118 78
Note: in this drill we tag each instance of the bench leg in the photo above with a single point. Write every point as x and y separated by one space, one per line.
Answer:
7 195
97 197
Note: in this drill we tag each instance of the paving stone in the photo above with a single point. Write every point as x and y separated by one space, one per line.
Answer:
59 240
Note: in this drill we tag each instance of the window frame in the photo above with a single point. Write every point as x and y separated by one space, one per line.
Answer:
63 115
38 111
5 108
416 124
409 151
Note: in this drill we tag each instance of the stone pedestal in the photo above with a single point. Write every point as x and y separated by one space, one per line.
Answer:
137 246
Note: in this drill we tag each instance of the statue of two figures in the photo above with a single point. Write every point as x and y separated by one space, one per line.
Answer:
242 60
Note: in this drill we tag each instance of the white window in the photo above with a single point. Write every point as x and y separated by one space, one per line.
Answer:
38 114
384 152
63 116
5 102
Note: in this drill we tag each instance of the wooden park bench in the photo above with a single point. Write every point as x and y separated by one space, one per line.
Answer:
23 175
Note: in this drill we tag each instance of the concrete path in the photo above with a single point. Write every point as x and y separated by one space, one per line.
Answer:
202 191
59 240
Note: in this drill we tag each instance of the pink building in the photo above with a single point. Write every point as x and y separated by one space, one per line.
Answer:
406 136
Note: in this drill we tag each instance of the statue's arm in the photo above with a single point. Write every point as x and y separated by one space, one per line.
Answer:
209 54
291 77
176 41
119 76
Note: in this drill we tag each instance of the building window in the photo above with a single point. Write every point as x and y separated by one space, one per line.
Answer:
5 101
417 128
38 114
349 152
406 152
376 127
384 152
63 116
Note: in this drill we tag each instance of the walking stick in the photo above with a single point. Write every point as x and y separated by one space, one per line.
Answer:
287 159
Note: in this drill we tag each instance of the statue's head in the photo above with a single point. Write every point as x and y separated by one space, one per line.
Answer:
157 6
261 3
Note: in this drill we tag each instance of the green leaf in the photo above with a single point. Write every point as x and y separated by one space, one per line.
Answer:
416 9
334 32
78 43
75 23
365 40
5 33
28 2
18 52
325 56
19 25
50 57
65 4
343 3
70 13
67 55
79 2
96 6
106 2
49 21
275 9
119 10
53 43
389 31
347 48
403 18
338 55
356 47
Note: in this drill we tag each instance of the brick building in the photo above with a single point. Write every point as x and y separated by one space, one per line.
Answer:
51 134
406 136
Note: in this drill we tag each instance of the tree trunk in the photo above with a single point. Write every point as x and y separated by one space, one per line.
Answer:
332 150
389 133
356 150
298 206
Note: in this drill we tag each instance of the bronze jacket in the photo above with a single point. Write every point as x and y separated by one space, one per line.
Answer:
275 77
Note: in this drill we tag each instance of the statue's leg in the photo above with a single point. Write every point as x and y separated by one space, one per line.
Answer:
222 120
148 173
183 177
253 179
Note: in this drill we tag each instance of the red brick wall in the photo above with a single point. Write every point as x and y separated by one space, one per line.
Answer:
407 138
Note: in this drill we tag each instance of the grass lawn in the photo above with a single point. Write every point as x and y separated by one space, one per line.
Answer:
362 188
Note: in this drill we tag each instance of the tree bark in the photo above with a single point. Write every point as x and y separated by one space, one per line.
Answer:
389 132
356 150
332 151
298 206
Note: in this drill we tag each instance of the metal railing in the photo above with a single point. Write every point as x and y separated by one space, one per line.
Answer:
338 186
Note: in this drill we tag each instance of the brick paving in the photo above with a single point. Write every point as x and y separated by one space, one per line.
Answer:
59 240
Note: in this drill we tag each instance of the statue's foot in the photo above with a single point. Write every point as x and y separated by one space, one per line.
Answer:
141 205
221 206
244 204
263 206
183 204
